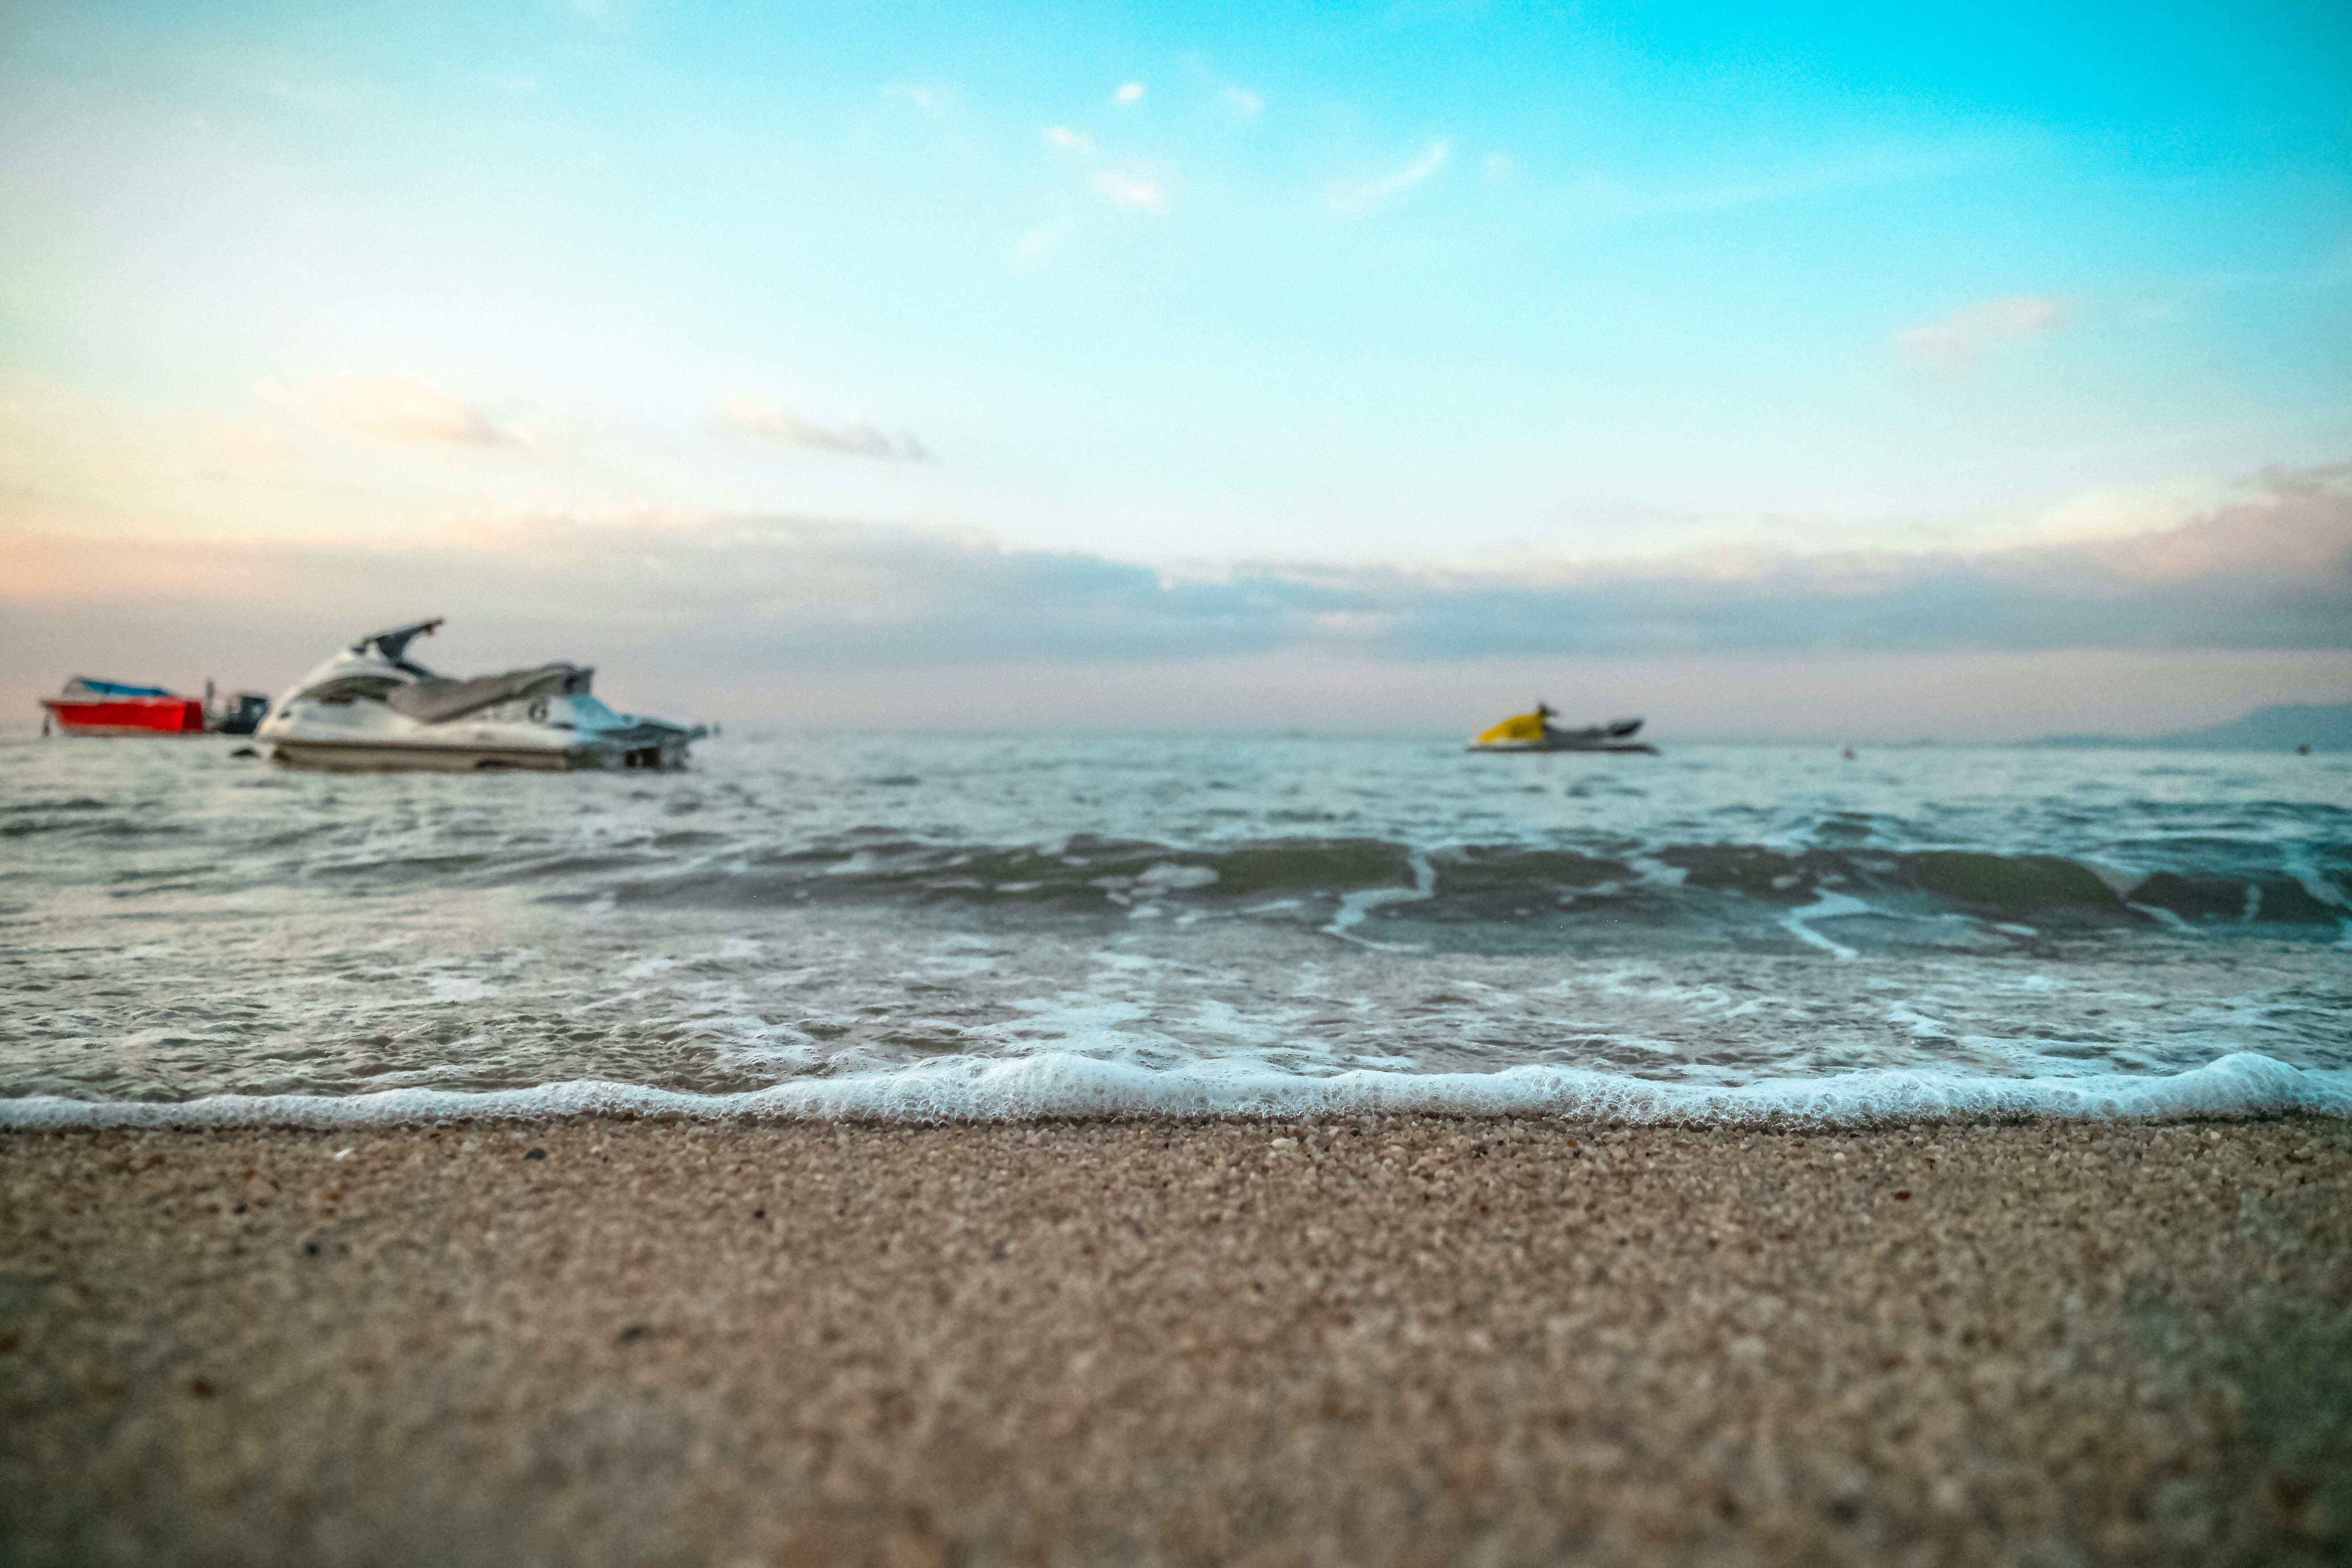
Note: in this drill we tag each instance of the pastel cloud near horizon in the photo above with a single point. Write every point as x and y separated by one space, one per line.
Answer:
850 438
408 409
2271 572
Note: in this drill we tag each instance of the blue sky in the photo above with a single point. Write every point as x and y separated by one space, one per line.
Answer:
1469 296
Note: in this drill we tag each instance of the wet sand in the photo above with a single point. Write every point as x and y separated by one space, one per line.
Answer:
1399 1341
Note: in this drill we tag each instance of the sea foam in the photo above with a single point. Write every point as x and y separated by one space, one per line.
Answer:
1047 1085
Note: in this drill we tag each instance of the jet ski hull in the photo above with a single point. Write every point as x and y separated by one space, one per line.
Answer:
1551 748
362 757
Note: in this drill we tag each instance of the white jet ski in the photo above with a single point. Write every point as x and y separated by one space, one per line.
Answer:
371 709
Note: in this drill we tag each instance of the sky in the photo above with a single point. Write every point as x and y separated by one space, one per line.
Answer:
1822 371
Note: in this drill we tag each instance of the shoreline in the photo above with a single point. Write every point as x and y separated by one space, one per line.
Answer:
1400 1339
1055 1085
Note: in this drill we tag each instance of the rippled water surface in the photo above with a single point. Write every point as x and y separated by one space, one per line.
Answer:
180 923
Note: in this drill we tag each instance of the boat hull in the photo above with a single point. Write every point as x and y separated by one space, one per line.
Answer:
397 757
127 715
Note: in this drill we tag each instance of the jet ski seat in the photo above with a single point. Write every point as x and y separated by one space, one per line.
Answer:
437 700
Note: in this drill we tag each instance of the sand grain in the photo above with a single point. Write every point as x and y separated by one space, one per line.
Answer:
1405 1342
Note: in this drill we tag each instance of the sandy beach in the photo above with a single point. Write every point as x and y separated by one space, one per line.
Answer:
1382 1341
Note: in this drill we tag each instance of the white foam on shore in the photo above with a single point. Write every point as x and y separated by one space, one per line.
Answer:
1063 1085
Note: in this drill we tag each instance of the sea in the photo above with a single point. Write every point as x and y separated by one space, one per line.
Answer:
940 926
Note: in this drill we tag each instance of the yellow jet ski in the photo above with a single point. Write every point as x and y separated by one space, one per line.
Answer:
1536 732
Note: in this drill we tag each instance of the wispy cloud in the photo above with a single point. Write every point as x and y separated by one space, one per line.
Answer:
1355 200
1230 98
1127 186
1128 191
1129 92
1957 342
850 438
409 409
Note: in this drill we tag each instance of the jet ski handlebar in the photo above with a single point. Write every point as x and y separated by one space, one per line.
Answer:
394 643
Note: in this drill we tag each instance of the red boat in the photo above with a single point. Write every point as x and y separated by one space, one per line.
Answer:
89 707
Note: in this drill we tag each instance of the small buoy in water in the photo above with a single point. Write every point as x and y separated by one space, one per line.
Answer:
1848 753
2303 750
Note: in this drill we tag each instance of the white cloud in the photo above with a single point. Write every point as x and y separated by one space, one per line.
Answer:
1243 103
1355 200
1957 342
852 438
1062 139
2101 515
1129 93
408 408
1130 192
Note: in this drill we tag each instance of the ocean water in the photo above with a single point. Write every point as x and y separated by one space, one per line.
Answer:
1018 925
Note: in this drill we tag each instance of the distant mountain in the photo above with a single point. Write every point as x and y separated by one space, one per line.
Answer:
2322 726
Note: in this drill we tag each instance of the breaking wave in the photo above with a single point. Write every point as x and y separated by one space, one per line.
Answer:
1508 882
951 926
